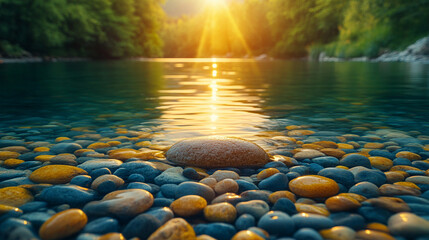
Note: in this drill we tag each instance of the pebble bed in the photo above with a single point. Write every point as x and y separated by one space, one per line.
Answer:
115 183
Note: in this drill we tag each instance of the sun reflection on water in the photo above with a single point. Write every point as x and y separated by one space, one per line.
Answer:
208 101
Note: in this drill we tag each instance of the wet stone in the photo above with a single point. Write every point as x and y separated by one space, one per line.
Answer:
188 205
63 224
15 196
390 203
175 229
247 235
123 204
408 225
56 174
308 220
313 186
220 231
220 212
338 233
393 190
277 223
256 208
226 185
341 203
67 194
193 188
142 226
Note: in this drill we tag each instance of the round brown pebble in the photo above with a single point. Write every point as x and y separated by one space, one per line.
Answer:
313 186
307 208
107 177
189 205
390 203
174 229
381 163
341 203
226 185
394 176
15 196
281 194
267 173
63 224
217 152
56 174
408 155
220 212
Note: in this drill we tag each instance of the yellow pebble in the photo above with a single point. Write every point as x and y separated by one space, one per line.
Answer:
378 227
55 174
188 205
407 184
313 186
307 208
12 162
374 145
267 173
41 149
15 196
345 146
98 145
44 158
220 212
381 163
60 139
275 196
342 167
8 154
63 224
408 155
114 143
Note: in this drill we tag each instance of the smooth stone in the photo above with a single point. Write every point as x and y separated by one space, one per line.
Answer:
163 214
139 185
220 212
261 232
341 203
309 220
169 190
112 236
246 235
351 220
418 179
171 176
302 170
408 155
354 160
394 176
56 174
13 226
194 188
373 235
122 204
256 208
393 190
219 231
220 175
141 226
285 205
63 224
227 197
314 186
135 177
188 205
33 206
16 182
100 172
245 221
277 223
65 159
7 212
36 218
82 181
65 148
212 152
209 181
382 153
311 208
255 195
90 165
15 196
175 229
148 169
408 225
338 233
10 142
381 163
366 189
102 226
10 173
267 173
326 161
339 175
192 174
276 182
372 176
390 203
275 196
307 234
118 182
67 194
308 154
373 214
245 186
226 186
162 202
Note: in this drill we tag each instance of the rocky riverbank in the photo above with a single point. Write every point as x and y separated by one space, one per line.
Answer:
116 183
416 52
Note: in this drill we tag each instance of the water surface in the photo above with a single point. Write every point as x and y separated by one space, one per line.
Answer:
184 98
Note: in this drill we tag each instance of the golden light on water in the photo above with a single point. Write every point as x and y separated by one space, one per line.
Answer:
210 100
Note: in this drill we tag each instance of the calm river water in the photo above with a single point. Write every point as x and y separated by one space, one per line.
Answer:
184 98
